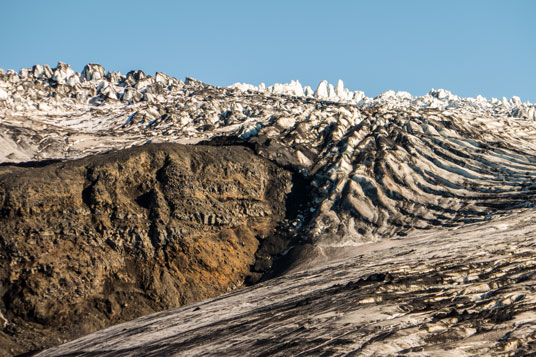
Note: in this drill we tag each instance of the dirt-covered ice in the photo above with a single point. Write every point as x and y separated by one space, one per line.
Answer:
413 230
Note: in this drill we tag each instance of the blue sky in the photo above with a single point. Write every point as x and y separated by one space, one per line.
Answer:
469 47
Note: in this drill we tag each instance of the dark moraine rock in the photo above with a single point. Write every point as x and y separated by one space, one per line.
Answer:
93 242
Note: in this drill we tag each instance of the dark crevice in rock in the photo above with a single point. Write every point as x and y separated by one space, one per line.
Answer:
39 163
299 199
288 240
277 251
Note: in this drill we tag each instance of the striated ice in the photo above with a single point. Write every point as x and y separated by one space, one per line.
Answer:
179 115
379 166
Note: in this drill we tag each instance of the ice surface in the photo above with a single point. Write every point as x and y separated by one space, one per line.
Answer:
437 98
439 293
420 186
322 90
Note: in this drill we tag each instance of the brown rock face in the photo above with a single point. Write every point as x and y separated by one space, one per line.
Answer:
93 242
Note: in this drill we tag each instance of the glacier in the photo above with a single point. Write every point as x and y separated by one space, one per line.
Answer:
417 238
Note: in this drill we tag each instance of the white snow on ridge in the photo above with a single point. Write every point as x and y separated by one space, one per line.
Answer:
436 98
114 86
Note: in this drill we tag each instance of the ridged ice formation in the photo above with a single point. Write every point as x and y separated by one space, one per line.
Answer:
381 167
436 192
436 98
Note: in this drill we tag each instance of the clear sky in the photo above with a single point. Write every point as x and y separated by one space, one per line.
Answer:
470 47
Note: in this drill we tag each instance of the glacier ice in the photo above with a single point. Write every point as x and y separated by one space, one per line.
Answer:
322 90
440 99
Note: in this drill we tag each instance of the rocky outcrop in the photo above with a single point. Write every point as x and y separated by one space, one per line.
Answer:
89 243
